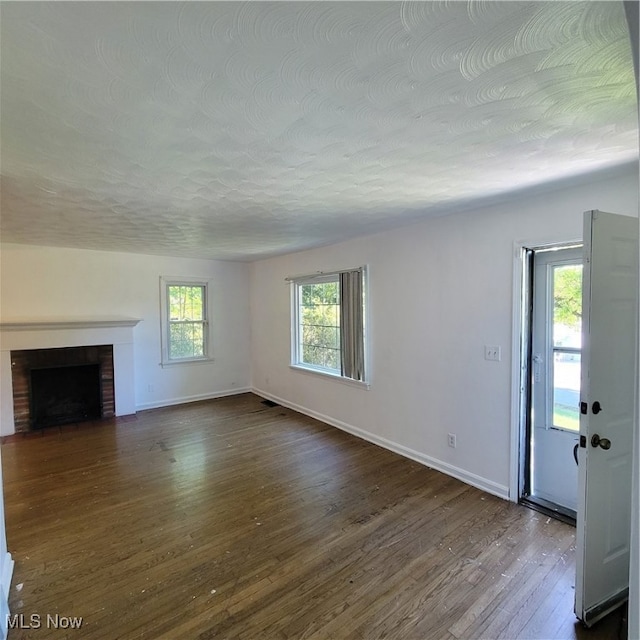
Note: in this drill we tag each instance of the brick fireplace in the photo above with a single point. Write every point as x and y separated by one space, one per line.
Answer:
35 345
64 364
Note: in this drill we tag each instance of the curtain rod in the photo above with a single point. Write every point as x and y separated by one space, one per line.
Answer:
320 274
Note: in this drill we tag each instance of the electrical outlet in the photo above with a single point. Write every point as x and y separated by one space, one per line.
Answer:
451 438
492 353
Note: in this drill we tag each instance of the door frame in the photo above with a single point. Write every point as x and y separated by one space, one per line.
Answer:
519 349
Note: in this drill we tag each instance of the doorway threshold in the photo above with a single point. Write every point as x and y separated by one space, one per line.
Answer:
550 509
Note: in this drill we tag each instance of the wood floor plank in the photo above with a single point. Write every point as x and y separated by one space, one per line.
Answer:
233 519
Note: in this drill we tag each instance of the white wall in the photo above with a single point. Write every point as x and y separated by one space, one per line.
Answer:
45 282
439 291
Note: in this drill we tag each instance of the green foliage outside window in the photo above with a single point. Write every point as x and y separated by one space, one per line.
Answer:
186 321
567 328
320 325
567 296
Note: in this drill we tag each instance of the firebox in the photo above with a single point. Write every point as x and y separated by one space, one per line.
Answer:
62 385
61 395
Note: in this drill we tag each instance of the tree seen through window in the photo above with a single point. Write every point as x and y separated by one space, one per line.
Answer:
186 321
320 325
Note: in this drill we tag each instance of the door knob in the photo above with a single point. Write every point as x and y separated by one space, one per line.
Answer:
603 443
596 407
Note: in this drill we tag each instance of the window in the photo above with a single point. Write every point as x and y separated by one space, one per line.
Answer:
185 326
319 324
329 324
566 294
556 335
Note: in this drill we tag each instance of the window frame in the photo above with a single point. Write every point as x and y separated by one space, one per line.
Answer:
297 355
165 320
296 361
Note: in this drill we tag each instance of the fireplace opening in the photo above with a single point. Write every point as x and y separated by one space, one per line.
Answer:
61 395
24 362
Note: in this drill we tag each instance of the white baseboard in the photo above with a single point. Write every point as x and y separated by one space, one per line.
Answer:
499 490
186 399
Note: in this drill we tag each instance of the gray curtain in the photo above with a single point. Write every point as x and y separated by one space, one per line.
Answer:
352 324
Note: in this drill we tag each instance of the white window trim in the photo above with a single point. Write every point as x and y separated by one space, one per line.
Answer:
166 281
336 377
295 363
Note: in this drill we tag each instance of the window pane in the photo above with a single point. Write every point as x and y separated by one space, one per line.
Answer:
330 293
312 355
186 340
321 315
319 319
186 302
320 336
322 293
332 359
566 390
567 332
567 305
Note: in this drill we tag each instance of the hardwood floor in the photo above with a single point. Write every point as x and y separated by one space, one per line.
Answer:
232 519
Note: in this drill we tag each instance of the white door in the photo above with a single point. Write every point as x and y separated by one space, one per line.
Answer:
556 339
608 396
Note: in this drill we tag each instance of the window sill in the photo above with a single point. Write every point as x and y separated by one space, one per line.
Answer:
333 376
174 363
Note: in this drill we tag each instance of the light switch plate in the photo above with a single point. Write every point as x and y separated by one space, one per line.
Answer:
492 353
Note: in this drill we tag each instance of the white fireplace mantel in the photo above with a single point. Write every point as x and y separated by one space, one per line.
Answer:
67 323
52 333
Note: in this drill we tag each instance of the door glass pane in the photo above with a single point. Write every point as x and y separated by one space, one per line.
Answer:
567 305
566 390
567 341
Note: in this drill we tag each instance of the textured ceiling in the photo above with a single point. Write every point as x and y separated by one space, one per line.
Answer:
241 130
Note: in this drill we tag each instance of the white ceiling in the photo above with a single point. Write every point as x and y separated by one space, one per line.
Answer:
241 130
